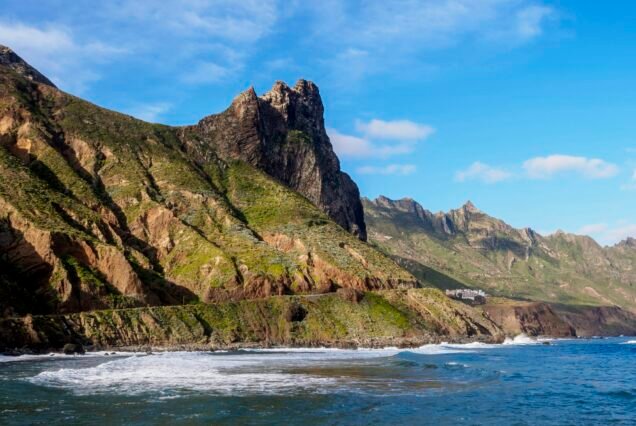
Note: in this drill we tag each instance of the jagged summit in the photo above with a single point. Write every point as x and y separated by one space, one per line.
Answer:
470 207
10 59
628 242
283 133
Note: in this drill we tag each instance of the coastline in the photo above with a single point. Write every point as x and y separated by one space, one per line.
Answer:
377 345
407 318
403 318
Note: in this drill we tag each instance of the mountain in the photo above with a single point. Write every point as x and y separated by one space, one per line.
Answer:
101 210
283 134
239 230
467 247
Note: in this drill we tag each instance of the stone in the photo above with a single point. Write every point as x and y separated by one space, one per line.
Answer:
73 349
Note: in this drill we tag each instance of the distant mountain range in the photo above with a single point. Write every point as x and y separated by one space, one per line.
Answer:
467 247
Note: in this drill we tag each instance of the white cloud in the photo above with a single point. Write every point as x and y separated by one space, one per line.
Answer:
593 228
631 185
390 169
150 112
55 52
403 135
400 32
213 37
24 38
349 146
355 146
482 172
239 22
609 234
620 233
530 20
546 167
403 130
434 23
206 73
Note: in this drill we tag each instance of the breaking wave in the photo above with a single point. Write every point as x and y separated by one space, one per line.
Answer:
523 339
261 371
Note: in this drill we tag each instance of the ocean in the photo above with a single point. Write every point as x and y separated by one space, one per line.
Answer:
522 382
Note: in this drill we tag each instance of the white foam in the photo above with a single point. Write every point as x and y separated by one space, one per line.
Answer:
276 370
629 342
179 371
49 356
523 339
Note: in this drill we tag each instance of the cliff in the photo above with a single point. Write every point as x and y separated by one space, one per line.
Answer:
530 318
282 133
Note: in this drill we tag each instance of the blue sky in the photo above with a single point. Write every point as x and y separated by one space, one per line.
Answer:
525 107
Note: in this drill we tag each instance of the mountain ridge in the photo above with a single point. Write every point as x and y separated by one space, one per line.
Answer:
472 248
114 212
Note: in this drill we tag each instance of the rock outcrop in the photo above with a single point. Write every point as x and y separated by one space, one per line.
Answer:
9 58
589 321
530 318
283 134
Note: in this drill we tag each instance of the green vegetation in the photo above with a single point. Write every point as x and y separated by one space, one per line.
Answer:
379 319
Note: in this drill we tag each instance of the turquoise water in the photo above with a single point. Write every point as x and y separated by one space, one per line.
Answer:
567 382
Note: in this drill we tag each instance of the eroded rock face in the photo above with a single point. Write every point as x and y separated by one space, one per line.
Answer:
283 134
531 318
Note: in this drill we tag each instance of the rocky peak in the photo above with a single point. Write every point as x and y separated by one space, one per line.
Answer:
300 107
283 134
470 207
407 205
629 242
10 59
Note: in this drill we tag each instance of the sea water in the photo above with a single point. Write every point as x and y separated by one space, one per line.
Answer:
524 381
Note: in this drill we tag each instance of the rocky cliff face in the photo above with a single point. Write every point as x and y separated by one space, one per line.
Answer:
530 318
466 247
283 134
100 210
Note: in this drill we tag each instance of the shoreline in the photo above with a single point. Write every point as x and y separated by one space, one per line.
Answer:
392 318
371 344
519 340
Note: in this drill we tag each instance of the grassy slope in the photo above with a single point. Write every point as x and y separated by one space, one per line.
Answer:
394 317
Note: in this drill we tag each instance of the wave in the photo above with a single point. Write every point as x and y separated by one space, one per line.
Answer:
52 356
249 371
181 371
524 339
629 342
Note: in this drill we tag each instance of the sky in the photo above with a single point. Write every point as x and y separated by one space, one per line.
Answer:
525 107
